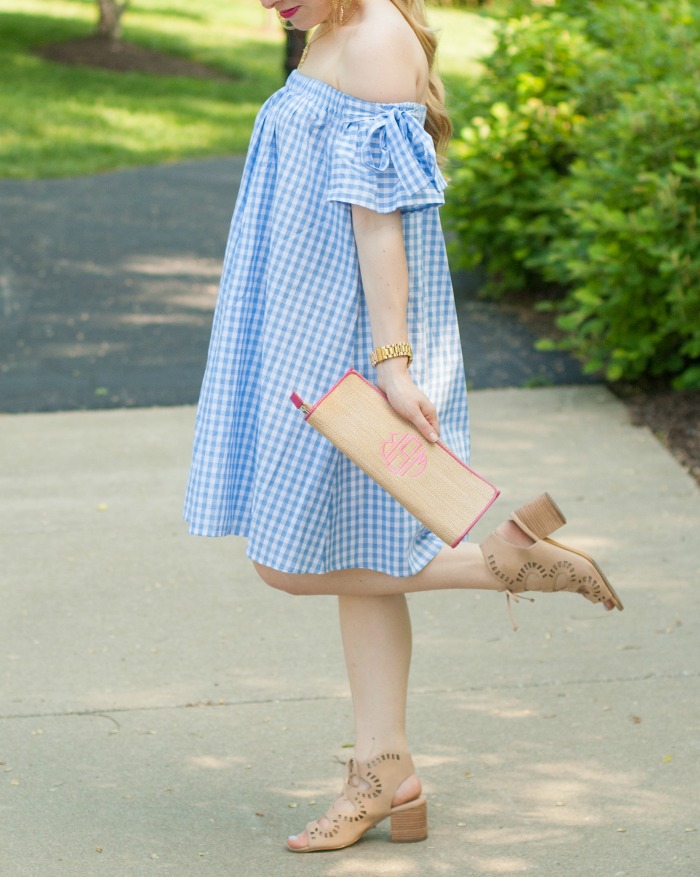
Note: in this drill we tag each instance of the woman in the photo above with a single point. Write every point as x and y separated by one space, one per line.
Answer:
335 251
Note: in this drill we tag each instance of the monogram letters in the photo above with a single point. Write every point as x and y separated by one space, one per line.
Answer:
404 454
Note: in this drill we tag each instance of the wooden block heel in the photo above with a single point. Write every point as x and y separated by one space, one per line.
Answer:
545 565
409 823
539 517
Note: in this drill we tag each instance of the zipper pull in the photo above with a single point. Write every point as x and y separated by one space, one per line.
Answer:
299 403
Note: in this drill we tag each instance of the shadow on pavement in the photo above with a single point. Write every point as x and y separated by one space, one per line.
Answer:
108 284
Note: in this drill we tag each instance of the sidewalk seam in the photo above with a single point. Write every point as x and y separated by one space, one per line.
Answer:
417 692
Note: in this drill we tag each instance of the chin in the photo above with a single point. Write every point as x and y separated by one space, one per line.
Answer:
302 22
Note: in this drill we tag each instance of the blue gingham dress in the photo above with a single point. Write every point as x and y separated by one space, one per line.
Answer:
291 316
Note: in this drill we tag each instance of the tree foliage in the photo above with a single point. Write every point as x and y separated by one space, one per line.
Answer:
578 162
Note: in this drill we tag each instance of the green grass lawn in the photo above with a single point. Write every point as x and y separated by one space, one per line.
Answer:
58 121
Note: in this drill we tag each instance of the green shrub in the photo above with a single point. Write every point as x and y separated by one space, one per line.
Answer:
628 249
577 162
500 205
517 143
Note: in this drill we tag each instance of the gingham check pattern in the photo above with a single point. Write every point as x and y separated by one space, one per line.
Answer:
291 316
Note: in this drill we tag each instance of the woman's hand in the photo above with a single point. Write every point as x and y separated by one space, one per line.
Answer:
406 399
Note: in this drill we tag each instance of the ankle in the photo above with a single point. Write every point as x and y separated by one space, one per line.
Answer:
367 750
410 787
409 790
512 533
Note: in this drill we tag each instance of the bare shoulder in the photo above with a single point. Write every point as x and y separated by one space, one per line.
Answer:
383 61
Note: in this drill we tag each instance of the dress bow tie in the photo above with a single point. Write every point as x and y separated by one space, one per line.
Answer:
385 145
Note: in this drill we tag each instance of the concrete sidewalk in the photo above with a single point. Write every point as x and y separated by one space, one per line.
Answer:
165 713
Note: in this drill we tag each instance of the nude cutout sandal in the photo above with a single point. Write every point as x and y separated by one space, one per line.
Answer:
547 565
371 800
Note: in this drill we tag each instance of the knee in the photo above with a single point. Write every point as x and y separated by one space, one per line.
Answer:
281 581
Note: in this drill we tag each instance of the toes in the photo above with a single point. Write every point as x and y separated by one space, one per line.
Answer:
298 841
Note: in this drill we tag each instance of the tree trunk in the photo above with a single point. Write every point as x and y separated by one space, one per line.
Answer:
109 24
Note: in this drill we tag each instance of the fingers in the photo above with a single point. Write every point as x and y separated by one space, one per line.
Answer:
425 427
412 404
424 417
427 422
431 416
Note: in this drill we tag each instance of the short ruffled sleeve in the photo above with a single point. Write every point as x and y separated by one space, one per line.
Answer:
385 162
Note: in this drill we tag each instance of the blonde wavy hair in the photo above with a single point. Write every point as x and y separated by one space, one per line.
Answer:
437 121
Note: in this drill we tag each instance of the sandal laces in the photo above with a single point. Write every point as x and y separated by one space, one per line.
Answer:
517 598
351 773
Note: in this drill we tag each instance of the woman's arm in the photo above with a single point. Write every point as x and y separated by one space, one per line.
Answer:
382 61
382 256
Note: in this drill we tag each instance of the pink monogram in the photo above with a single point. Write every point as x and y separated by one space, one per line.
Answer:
404 454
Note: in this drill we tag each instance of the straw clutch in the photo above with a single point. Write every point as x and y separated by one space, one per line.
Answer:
436 487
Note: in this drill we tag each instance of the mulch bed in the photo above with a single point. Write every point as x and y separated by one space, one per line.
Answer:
124 57
672 415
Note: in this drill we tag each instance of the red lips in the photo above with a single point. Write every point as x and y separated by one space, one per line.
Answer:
288 13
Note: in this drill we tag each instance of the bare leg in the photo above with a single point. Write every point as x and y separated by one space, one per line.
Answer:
377 643
461 567
376 634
